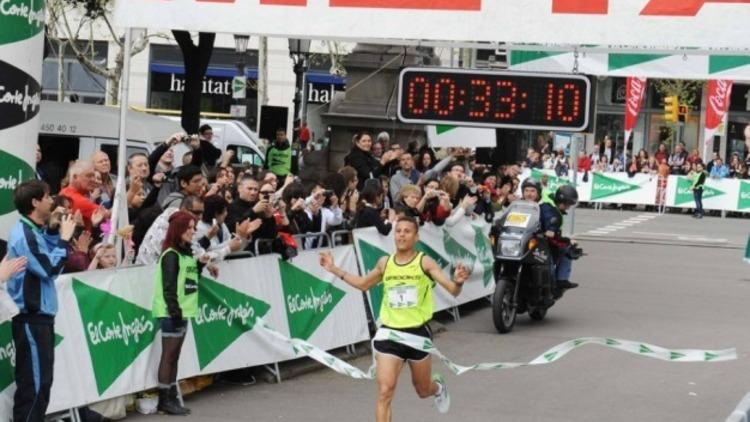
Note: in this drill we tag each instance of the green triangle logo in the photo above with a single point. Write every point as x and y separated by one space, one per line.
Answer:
13 171
553 182
432 253
457 252
427 345
441 129
645 349
684 192
308 300
550 356
675 355
604 186
743 201
484 252
621 61
518 57
113 327
8 354
224 314
612 342
370 256
718 64
392 336
577 343
710 356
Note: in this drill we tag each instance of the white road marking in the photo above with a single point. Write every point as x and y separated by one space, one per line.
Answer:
625 224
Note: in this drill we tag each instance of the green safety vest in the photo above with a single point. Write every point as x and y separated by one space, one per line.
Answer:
696 180
279 161
547 195
187 287
407 294
547 199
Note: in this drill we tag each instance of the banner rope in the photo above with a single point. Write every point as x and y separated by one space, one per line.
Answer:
303 348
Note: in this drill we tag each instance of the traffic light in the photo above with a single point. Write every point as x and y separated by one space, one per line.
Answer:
684 111
672 109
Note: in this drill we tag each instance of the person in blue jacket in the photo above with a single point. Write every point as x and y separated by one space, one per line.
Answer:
41 236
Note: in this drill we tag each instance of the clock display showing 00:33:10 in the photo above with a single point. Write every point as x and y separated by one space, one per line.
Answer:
494 99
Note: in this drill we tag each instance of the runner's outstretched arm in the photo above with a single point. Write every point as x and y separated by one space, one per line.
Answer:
362 283
436 273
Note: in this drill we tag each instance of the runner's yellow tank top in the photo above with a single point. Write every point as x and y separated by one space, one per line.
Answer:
407 294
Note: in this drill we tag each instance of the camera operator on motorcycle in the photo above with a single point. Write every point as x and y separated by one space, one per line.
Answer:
564 249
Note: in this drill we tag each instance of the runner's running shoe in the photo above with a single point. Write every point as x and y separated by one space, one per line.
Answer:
442 399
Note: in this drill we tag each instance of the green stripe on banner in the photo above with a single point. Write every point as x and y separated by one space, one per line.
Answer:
552 355
441 129
518 57
621 61
718 64
747 251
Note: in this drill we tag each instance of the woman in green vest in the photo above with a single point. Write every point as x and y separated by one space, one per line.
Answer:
408 278
175 301
698 180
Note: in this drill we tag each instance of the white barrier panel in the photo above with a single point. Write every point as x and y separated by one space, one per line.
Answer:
108 346
642 189
467 243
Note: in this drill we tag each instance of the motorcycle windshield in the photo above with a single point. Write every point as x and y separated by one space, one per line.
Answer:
522 217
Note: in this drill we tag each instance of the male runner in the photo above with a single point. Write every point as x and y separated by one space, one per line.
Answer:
408 277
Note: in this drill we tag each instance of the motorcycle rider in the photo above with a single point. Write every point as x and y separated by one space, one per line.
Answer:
531 190
552 211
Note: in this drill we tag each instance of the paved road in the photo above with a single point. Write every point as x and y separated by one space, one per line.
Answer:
674 296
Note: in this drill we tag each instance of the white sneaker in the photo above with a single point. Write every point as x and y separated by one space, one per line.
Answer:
442 400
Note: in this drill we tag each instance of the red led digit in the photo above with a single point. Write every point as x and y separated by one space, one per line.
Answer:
444 97
506 99
481 95
413 95
550 107
571 110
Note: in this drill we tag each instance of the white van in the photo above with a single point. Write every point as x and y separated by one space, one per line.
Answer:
236 136
72 131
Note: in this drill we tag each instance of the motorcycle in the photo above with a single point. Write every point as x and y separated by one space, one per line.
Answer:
523 266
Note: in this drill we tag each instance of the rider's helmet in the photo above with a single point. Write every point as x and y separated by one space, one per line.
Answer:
530 182
566 194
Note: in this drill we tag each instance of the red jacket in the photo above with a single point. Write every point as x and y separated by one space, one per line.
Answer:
584 164
81 202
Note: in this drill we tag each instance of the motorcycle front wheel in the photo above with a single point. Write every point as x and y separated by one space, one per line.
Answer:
503 311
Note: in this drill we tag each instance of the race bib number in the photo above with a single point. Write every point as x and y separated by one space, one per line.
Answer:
402 297
515 219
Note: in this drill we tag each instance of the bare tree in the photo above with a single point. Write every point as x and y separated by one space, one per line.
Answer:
71 24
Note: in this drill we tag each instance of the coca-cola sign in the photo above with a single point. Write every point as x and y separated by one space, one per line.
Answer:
719 92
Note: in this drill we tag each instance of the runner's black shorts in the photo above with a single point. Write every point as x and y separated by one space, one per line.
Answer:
398 350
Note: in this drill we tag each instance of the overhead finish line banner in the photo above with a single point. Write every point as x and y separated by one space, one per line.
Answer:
661 23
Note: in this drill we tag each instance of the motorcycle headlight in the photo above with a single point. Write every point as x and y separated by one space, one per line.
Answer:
510 247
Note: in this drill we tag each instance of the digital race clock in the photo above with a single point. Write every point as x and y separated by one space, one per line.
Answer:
494 99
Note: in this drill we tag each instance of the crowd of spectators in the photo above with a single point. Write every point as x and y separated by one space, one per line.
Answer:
250 209
245 210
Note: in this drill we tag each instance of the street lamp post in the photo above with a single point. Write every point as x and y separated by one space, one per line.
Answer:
299 49
238 95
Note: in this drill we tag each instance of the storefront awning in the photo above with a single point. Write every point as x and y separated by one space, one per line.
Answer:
251 73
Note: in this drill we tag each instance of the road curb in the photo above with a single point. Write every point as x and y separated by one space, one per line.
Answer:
742 412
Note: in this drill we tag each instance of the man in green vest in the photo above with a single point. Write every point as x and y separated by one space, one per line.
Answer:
408 278
280 157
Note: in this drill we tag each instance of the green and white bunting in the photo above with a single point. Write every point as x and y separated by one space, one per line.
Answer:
303 348
679 66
